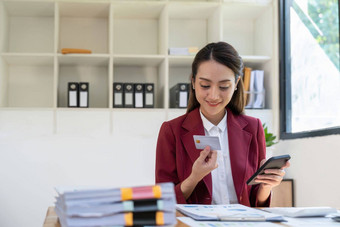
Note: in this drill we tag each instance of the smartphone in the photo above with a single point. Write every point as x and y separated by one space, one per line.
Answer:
276 162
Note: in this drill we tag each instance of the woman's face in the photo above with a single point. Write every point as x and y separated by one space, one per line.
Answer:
214 88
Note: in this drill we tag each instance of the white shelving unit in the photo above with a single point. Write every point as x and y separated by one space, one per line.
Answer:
129 42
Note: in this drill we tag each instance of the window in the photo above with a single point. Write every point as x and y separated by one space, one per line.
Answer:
309 68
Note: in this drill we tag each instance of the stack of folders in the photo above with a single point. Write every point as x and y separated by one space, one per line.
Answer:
253 82
133 95
179 95
148 205
78 94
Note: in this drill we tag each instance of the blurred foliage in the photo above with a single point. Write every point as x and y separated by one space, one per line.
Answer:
270 138
323 22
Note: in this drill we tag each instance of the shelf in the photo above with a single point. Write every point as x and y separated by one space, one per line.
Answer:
193 24
129 42
138 9
84 26
27 80
245 9
82 109
194 0
91 69
141 26
249 26
28 59
139 70
138 60
28 27
21 109
181 60
84 59
257 62
179 74
191 10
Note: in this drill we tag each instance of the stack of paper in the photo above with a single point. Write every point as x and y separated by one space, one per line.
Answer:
298 212
149 205
183 50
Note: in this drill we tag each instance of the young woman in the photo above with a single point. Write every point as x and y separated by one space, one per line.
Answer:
215 108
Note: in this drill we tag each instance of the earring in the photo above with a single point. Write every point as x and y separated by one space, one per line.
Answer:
235 89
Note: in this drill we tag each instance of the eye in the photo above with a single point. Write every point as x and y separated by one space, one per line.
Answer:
224 88
205 86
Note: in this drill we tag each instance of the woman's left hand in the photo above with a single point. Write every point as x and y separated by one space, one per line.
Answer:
272 177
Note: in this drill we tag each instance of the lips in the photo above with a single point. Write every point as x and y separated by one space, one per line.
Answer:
213 104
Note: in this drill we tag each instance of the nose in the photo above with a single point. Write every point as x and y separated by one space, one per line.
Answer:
214 93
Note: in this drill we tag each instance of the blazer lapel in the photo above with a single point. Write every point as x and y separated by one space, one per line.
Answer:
239 143
194 126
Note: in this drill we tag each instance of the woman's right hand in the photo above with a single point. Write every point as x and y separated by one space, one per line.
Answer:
204 164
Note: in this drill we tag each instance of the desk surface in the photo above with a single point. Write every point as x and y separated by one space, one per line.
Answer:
51 220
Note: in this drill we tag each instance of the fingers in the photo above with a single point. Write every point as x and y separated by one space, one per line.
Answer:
262 162
270 177
286 165
213 158
205 152
205 163
204 155
209 156
279 172
269 180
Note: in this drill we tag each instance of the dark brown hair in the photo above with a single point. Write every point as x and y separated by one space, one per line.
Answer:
224 54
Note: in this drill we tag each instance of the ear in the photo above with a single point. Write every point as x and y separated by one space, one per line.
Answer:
238 79
192 83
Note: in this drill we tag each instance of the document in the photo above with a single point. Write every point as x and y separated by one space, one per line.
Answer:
231 212
259 89
191 222
301 211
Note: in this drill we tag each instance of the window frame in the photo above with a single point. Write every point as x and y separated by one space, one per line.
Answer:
285 80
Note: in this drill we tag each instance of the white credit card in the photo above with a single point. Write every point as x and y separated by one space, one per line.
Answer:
202 141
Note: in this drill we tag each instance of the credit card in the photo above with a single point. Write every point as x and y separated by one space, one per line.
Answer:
202 141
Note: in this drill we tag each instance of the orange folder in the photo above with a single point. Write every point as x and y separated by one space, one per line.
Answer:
75 51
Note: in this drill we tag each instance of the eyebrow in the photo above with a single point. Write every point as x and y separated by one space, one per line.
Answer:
222 81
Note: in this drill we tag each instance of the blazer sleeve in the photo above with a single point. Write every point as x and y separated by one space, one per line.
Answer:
261 142
166 168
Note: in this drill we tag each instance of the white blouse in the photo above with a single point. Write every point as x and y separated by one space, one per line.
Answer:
222 180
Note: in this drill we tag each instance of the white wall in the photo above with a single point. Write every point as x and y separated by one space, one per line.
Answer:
315 168
34 159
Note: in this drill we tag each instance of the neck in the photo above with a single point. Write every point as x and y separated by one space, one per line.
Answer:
215 119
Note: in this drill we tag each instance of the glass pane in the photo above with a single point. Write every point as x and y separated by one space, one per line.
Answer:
315 78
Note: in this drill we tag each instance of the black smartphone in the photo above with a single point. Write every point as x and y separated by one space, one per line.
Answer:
276 162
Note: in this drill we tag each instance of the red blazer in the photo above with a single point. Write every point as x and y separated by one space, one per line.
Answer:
176 153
